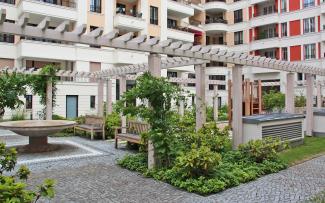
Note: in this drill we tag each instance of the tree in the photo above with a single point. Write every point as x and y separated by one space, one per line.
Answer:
274 100
12 85
12 189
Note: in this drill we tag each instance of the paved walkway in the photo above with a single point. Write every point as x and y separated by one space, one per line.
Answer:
94 177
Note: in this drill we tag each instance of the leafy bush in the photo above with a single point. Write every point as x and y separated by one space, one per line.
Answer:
57 117
137 162
112 120
263 149
300 101
273 100
11 187
199 161
18 116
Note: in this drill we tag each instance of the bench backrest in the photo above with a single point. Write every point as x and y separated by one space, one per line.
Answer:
94 120
136 127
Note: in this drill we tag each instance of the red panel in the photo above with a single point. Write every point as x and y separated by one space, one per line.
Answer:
294 5
294 27
276 5
255 32
250 35
317 2
277 53
295 53
255 10
250 12
277 29
257 53
318 23
319 54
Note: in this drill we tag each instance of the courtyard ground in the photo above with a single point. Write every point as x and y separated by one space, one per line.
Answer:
86 171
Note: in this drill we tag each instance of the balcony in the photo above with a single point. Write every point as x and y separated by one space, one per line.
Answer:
261 19
181 34
215 25
129 23
66 10
258 1
8 1
215 6
265 41
219 46
179 8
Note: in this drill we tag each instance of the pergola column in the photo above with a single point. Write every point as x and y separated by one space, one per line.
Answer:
100 98
309 104
49 99
237 98
215 103
200 96
122 91
109 102
290 95
154 63
319 95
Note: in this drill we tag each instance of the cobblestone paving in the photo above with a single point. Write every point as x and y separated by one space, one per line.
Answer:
99 179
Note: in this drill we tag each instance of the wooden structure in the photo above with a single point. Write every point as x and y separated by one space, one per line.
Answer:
93 124
132 132
252 98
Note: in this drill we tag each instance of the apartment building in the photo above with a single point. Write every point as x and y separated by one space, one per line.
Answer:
283 29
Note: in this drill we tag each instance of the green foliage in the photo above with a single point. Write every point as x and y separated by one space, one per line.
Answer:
199 161
273 100
223 113
57 117
137 162
300 101
18 116
12 85
264 149
11 189
112 120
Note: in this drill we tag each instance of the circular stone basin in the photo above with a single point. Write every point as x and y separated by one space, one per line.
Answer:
37 131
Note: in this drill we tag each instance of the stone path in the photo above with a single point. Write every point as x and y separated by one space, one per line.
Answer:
96 178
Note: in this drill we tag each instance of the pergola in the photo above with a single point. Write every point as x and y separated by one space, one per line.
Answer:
184 54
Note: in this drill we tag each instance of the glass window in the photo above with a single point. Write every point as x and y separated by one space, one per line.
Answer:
92 101
284 30
309 25
283 6
120 8
309 3
238 37
310 51
217 77
153 15
238 16
171 23
96 6
284 51
171 74
29 101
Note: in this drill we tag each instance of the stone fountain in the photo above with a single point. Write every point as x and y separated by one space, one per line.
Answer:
37 131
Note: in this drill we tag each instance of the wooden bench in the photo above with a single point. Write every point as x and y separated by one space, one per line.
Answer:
93 124
132 132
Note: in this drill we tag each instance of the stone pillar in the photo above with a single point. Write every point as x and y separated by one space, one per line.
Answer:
215 103
290 95
200 96
122 91
154 62
100 98
309 104
319 95
109 103
237 98
49 99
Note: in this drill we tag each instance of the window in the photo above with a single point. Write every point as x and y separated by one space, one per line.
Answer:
299 76
310 51
284 51
309 25
9 1
283 6
153 15
309 3
220 87
284 30
96 6
217 77
171 23
238 16
120 8
238 38
92 101
29 101
191 76
171 74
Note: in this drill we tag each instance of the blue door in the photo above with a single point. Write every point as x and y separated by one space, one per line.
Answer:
72 106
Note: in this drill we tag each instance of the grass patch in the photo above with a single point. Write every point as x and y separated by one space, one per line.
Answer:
312 147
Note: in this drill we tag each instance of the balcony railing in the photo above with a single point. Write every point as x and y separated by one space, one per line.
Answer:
180 28
266 36
133 13
195 22
215 1
66 3
266 11
216 20
237 42
187 2
8 1
7 38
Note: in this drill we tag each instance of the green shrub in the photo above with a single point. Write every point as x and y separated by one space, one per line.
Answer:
199 161
112 120
137 162
18 116
58 117
262 149
273 100
300 101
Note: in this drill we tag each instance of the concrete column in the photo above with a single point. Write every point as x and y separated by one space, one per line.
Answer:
49 99
289 94
100 98
319 95
200 96
237 98
122 91
109 103
309 104
154 62
215 103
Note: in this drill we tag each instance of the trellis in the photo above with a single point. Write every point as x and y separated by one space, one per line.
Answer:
155 47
